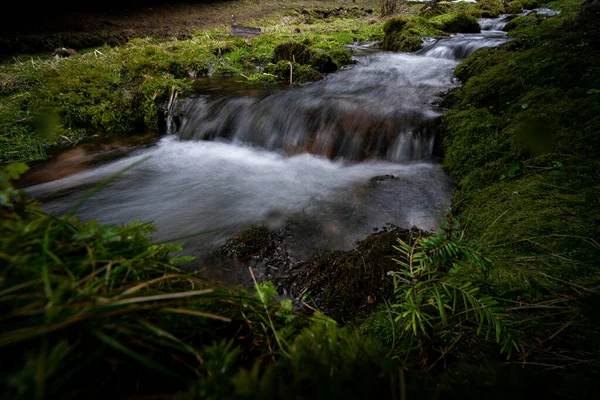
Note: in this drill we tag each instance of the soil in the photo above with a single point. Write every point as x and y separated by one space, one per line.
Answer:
113 23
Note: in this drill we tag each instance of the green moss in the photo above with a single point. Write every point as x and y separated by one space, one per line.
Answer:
530 4
394 25
323 62
405 34
523 21
490 8
443 7
513 7
341 57
456 23
283 70
295 52
521 148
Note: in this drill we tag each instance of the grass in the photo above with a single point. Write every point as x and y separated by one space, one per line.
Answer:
97 311
46 102
103 311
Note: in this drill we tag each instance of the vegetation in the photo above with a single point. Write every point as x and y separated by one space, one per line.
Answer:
407 33
521 144
48 101
100 311
501 303
433 304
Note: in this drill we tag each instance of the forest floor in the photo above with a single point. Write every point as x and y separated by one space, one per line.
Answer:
117 23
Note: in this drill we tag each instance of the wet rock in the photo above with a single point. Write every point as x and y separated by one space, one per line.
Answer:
244 31
382 178
345 284
323 62
64 53
456 23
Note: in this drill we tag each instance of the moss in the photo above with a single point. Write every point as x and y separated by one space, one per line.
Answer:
443 7
341 57
405 34
299 73
523 21
394 25
513 7
530 4
323 62
456 23
520 145
490 8
295 52
347 284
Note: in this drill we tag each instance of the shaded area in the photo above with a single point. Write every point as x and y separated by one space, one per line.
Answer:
47 26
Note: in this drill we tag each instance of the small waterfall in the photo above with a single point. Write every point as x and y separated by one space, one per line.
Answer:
239 155
384 108
460 46
493 24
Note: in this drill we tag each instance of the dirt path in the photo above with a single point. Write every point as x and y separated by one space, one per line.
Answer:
47 30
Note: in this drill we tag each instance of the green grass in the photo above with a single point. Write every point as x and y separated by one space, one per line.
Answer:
101 311
46 102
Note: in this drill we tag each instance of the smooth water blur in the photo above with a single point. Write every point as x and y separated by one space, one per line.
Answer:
381 108
297 156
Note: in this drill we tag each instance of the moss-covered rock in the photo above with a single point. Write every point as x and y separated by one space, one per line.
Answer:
293 51
323 62
394 25
513 7
443 7
284 70
320 60
523 21
344 284
490 8
456 23
530 4
406 34
341 57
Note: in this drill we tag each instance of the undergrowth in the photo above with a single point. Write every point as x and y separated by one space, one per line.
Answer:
521 140
100 311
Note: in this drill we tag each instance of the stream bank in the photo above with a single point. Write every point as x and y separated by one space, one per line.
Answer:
106 317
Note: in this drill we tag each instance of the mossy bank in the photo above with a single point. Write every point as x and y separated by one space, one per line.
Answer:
46 102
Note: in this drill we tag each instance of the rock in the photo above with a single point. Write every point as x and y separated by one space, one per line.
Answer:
244 31
295 52
64 53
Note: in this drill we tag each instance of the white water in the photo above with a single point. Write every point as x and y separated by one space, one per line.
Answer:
259 167
186 187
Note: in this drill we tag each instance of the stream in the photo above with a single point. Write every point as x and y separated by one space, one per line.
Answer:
302 157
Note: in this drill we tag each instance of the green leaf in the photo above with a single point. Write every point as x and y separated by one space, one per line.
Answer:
14 170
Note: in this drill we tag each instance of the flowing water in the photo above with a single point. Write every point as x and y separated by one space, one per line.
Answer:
300 156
